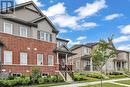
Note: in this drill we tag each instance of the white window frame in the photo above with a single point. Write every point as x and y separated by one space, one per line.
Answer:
11 29
26 59
37 59
7 63
52 60
26 30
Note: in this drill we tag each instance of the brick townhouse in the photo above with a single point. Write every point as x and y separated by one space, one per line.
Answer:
28 39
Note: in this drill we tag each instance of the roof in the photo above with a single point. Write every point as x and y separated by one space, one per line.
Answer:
18 20
33 22
63 49
48 20
80 45
62 39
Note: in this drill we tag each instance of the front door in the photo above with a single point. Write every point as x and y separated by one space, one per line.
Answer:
63 63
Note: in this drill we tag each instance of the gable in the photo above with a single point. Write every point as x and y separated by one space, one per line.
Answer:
31 7
27 11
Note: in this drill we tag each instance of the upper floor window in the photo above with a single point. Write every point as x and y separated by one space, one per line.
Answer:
7 57
23 58
39 59
50 60
23 31
86 50
7 27
44 36
60 43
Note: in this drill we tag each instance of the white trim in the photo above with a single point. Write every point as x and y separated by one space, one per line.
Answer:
10 28
37 60
9 63
26 34
52 60
26 58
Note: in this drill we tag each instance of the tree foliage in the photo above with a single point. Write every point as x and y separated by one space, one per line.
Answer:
102 52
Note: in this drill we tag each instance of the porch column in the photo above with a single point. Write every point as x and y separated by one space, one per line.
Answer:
121 66
57 57
66 57
91 64
115 65
128 62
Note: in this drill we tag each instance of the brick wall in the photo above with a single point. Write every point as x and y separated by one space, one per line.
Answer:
18 44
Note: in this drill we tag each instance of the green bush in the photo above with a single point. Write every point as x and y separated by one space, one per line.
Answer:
50 79
116 76
79 77
96 75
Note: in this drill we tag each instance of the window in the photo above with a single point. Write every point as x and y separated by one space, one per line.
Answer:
7 57
44 36
86 51
23 58
8 28
50 60
39 59
23 31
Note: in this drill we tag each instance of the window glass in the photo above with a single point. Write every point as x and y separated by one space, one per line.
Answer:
7 57
23 31
39 59
8 28
23 58
50 60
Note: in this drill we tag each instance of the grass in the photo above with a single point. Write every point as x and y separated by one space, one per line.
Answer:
104 85
88 79
46 85
124 82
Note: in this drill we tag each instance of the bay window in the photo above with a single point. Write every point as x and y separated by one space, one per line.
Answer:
44 36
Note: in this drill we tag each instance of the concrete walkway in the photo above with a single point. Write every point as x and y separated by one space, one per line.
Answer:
96 82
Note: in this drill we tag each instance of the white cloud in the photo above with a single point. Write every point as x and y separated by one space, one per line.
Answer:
66 21
81 38
63 30
125 29
89 24
73 43
113 16
56 9
124 47
121 39
91 9
35 1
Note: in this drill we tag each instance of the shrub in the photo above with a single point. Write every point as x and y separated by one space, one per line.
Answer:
96 75
116 73
117 76
35 75
79 77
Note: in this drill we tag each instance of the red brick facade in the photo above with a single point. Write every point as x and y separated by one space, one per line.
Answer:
32 47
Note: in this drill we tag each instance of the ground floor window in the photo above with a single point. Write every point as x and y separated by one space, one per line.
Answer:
7 57
50 60
23 58
39 59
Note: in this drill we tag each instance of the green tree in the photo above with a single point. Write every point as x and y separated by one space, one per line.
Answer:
103 51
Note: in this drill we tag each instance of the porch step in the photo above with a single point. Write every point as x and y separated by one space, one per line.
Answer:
68 78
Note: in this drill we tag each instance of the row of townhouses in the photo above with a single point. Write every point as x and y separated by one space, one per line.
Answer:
28 39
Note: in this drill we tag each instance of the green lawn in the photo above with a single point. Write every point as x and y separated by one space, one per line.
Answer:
46 85
124 82
104 85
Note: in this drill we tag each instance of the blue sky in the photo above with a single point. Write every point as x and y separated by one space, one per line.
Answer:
82 21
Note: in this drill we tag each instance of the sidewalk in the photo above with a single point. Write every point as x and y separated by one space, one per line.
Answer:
96 82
